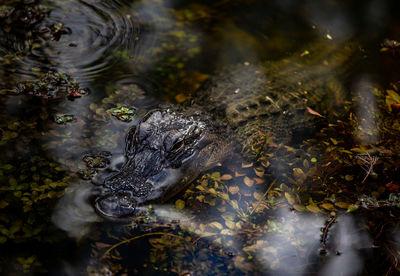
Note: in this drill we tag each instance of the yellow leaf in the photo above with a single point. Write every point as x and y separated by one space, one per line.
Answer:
334 141
234 204
328 206
230 224
216 224
179 204
313 208
248 181
247 165
342 205
290 198
299 207
224 196
180 98
393 95
199 187
226 232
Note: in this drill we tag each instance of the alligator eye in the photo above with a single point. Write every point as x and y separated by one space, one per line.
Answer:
116 205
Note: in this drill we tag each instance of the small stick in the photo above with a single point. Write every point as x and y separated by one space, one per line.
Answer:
325 232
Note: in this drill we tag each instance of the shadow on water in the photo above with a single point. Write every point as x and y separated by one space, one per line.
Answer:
322 203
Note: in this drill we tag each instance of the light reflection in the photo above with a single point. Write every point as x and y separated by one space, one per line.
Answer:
367 110
73 213
347 243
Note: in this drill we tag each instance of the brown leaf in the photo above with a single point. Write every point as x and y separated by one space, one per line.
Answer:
249 182
259 171
102 245
247 165
226 177
238 174
233 190
395 107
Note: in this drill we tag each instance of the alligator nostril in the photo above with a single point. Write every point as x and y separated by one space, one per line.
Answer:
116 205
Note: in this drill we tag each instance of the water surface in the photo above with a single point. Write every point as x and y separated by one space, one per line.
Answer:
315 206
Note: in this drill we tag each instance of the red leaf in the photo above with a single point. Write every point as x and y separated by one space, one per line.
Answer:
391 187
395 107
313 112
74 94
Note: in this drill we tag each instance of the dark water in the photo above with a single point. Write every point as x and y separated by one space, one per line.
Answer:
302 209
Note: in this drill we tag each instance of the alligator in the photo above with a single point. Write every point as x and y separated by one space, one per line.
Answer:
172 144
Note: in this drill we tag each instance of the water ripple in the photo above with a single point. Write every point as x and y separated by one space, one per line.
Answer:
98 35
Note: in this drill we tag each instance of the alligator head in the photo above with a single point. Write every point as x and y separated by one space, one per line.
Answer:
164 152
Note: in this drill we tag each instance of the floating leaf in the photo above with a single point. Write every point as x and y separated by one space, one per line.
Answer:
3 204
313 112
234 204
233 190
180 98
342 205
259 171
258 196
179 204
249 165
313 208
299 207
328 206
230 224
238 174
393 95
334 141
290 198
200 188
217 225
352 208
249 182
226 177
298 173
349 177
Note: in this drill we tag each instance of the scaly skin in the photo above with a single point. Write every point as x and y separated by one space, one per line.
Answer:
172 145
274 96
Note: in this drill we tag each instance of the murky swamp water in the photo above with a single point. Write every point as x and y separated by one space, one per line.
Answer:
76 75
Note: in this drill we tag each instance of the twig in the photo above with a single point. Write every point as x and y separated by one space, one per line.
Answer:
325 232
368 164
138 237
261 199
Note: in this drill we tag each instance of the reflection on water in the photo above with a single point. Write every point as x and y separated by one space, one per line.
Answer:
326 203
91 36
